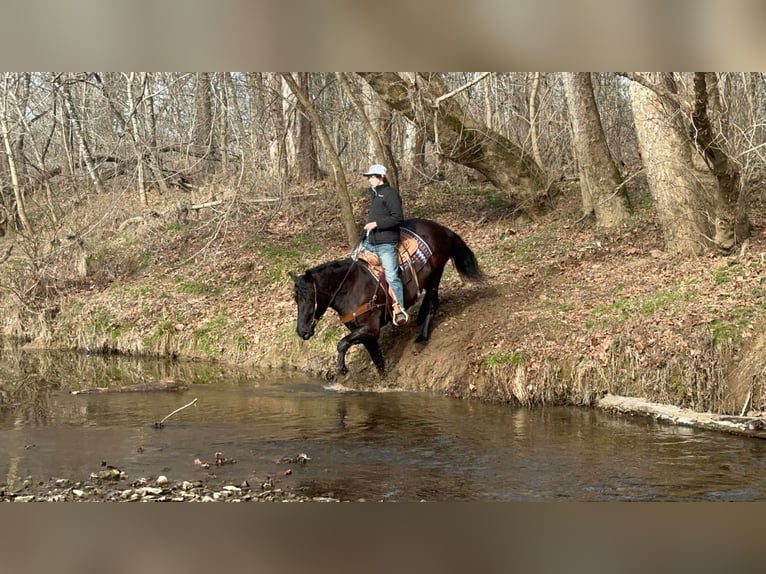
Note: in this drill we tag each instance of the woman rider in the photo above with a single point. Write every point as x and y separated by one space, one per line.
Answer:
382 227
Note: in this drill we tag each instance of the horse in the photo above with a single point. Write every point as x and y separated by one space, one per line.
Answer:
349 287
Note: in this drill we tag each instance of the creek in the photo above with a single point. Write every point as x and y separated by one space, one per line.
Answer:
296 432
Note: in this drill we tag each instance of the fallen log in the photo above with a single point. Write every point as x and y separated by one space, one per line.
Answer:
740 425
147 387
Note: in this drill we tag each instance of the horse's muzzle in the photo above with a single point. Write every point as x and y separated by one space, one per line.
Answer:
306 334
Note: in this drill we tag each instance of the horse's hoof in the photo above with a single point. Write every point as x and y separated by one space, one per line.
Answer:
330 376
421 340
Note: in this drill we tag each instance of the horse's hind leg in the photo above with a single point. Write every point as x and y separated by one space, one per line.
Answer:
373 348
433 305
429 305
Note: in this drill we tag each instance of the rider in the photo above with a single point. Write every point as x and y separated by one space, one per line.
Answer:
382 227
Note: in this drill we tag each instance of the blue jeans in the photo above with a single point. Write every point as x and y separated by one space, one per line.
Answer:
388 259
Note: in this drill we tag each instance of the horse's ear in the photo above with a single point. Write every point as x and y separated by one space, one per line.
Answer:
293 276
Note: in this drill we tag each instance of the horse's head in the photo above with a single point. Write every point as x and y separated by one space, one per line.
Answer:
305 295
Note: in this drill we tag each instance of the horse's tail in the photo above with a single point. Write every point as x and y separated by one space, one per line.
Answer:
465 261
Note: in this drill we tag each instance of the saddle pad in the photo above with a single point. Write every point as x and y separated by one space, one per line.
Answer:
410 243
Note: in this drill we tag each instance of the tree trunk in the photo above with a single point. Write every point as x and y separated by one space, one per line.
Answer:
135 136
21 211
681 200
155 160
599 176
729 216
77 129
204 135
306 162
347 213
460 138
533 121
279 132
27 125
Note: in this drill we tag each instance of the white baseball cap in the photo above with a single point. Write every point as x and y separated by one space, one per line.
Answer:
376 169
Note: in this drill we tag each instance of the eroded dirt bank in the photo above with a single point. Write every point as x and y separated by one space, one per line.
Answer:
567 314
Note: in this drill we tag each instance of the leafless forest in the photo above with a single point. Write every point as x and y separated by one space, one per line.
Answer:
69 136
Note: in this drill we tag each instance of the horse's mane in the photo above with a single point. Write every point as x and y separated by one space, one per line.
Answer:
329 267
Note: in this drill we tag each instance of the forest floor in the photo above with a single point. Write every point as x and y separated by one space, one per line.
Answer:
567 313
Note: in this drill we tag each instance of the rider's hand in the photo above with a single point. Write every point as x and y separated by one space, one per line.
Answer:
371 225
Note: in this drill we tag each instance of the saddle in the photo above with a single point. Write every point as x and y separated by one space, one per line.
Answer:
412 254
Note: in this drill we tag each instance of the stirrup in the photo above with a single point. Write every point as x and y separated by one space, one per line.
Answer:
403 320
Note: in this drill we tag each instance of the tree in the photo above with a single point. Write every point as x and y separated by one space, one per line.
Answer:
600 182
203 135
694 211
79 133
306 162
21 211
381 146
341 191
424 99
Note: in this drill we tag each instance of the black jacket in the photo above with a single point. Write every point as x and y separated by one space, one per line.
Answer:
386 210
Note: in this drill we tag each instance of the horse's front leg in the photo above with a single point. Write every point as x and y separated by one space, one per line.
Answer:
366 335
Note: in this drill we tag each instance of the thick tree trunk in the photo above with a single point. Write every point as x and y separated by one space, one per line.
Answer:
730 217
599 176
681 200
461 138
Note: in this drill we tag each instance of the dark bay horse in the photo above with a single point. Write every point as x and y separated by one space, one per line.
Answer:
348 287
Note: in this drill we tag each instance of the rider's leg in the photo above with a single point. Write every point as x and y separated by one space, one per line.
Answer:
388 259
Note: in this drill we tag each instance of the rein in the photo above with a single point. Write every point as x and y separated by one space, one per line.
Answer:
315 319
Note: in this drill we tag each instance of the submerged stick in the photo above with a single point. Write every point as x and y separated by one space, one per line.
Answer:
160 424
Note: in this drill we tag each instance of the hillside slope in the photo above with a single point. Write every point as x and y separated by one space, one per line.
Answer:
567 313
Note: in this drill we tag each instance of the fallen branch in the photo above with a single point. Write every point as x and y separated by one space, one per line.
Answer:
160 424
152 386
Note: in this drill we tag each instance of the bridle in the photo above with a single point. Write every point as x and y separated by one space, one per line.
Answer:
314 318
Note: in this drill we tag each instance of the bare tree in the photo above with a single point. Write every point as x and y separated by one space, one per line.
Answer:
203 136
730 216
307 164
600 181
5 127
78 131
533 120
425 100
679 195
700 204
381 146
341 192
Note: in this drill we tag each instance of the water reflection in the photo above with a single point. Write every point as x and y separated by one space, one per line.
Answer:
392 446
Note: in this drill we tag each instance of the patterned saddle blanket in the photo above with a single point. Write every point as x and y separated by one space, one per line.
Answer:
412 251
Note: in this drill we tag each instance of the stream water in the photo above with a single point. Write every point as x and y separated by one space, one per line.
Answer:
398 446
